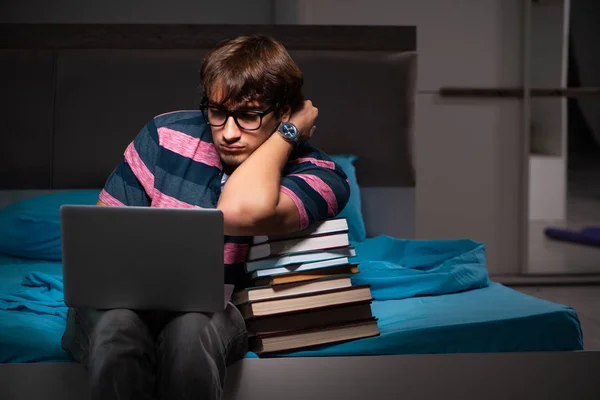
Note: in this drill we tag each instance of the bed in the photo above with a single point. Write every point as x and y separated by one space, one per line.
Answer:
482 319
67 89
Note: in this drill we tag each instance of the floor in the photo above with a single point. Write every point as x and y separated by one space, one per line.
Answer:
552 257
548 256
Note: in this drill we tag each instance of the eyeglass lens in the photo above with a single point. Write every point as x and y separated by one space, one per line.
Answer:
246 119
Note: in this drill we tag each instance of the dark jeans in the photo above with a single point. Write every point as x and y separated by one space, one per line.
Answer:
155 354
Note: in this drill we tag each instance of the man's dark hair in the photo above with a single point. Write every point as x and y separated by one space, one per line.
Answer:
252 68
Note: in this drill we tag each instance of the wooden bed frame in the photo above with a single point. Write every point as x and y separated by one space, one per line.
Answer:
68 87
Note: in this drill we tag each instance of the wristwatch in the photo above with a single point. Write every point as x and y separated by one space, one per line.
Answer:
289 132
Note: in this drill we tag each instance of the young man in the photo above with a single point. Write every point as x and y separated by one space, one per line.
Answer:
246 153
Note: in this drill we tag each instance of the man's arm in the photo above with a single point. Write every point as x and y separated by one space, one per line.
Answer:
251 201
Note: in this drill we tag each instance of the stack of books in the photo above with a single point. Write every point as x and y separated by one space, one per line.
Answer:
302 293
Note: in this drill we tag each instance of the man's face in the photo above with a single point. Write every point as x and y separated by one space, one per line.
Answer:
233 143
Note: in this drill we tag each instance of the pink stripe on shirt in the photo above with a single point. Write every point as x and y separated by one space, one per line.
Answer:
165 201
139 169
320 163
299 204
323 189
109 200
235 253
189 147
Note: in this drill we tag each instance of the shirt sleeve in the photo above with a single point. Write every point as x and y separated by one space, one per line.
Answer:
131 183
317 185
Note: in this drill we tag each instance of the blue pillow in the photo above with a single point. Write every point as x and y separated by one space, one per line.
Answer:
353 210
30 228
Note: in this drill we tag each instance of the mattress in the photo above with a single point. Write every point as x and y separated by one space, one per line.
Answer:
488 319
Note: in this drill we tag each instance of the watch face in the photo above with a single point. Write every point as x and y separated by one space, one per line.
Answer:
289 130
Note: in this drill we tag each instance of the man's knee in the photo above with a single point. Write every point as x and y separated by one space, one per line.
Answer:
121 356
192 335
186 332
117 323
118 334
191 355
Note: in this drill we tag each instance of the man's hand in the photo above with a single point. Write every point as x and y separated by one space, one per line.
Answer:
251 201
304 119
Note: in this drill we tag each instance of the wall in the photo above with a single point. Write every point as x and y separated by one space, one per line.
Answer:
549 55
468 172
468 175
137 11
548 162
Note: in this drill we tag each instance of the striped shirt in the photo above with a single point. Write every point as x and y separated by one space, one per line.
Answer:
172 162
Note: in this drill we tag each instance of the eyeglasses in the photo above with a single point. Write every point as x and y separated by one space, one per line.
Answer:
248 120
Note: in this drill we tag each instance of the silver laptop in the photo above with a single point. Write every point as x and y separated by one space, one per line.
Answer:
143 258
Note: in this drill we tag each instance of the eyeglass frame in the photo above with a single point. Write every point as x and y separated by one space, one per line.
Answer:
233 113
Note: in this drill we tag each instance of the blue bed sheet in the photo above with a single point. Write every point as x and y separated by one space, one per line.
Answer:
30 334
490 319
430 297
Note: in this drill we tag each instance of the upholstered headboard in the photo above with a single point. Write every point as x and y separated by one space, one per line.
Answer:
74 96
